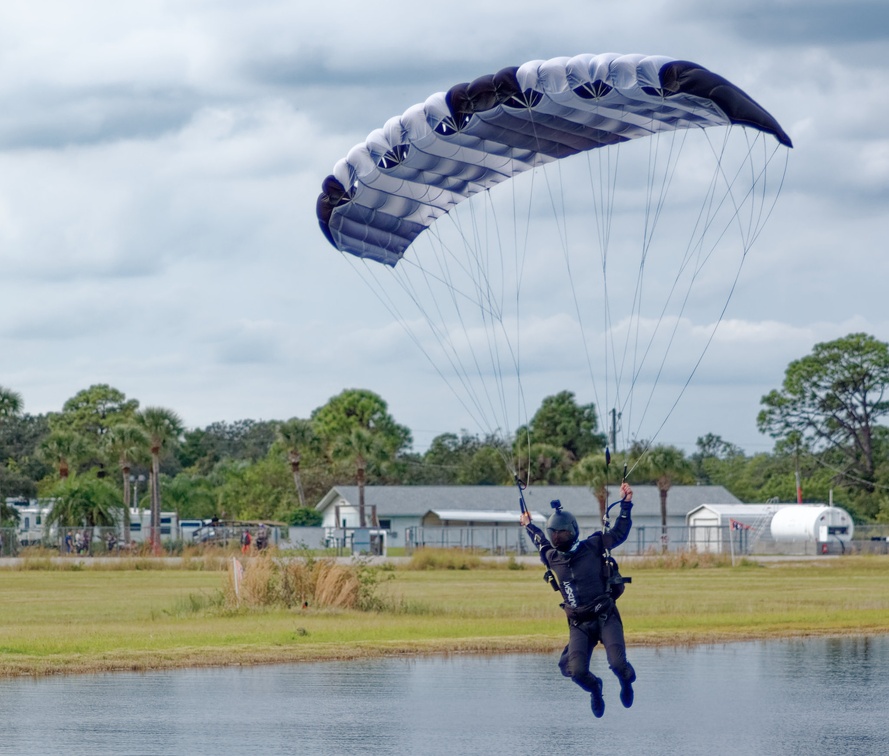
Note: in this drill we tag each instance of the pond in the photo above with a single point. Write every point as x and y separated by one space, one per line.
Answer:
778 697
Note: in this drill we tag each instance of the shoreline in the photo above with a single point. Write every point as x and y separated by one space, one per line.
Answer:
308 654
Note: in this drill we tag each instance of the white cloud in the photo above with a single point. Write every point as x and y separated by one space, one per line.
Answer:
159 165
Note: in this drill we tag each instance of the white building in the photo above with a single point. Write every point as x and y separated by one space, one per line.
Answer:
436 515
710 525
33 514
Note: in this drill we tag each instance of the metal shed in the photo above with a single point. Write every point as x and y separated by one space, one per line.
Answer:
710 525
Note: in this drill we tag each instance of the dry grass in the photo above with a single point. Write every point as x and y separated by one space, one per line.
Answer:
445 559
267 581
688 559
54 563
336 586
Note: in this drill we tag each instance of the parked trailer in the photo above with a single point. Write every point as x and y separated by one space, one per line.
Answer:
813 523
31 529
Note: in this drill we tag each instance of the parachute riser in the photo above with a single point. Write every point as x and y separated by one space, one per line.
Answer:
548 576
611 574
521 486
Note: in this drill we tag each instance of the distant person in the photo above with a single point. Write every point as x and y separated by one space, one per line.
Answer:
69 542
581 574
246 540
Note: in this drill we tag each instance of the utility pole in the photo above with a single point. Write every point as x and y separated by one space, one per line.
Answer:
615 416
799 484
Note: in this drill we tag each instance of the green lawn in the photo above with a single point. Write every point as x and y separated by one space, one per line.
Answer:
88 620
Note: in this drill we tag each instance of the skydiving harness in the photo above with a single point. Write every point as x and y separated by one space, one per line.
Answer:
615 583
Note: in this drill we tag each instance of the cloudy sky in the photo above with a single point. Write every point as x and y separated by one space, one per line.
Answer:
159 165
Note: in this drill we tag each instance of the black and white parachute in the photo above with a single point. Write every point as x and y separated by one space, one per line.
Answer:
435 171
420 164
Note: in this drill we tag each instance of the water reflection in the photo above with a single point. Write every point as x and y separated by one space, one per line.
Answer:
788 697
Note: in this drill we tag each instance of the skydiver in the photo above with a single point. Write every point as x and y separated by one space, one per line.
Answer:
579 567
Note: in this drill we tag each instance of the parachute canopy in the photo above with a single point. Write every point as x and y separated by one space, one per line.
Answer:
389 189
523 261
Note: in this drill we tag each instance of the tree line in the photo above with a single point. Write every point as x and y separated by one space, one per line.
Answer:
102 450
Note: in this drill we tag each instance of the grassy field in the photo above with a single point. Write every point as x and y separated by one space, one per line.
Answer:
83 620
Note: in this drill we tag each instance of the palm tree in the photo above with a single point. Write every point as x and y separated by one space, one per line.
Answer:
11 402
126 444
297 435
592 471
163 427
9 515
63 449
83 501
360 446
667 465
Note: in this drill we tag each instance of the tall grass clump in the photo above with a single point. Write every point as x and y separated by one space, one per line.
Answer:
266 581
444 559
689 559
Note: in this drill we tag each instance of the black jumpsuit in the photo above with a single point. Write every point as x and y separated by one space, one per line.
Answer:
582 584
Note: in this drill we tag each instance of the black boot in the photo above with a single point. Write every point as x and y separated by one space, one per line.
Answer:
597 703
626 687
626 693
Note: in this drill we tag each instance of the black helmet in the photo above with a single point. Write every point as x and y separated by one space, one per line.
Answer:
560 520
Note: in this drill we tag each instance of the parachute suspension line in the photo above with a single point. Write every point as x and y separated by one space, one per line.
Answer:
691 248
381 292
658 181
603 205
482 268
650 442
603 215
697 251
521 251
577 308
481 257
601 234
676 322
560 216
437 324
758 193
513 345
648 228
760 211
694 251
490 310
560 221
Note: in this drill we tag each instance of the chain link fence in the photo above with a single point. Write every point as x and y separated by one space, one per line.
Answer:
75 542
498 541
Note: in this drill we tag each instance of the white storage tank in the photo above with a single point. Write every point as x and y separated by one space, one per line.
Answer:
815 523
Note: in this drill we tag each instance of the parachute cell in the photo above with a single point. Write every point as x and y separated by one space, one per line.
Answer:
389 189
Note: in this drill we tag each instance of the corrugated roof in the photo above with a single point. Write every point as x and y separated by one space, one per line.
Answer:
742 512
415 501
470 515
